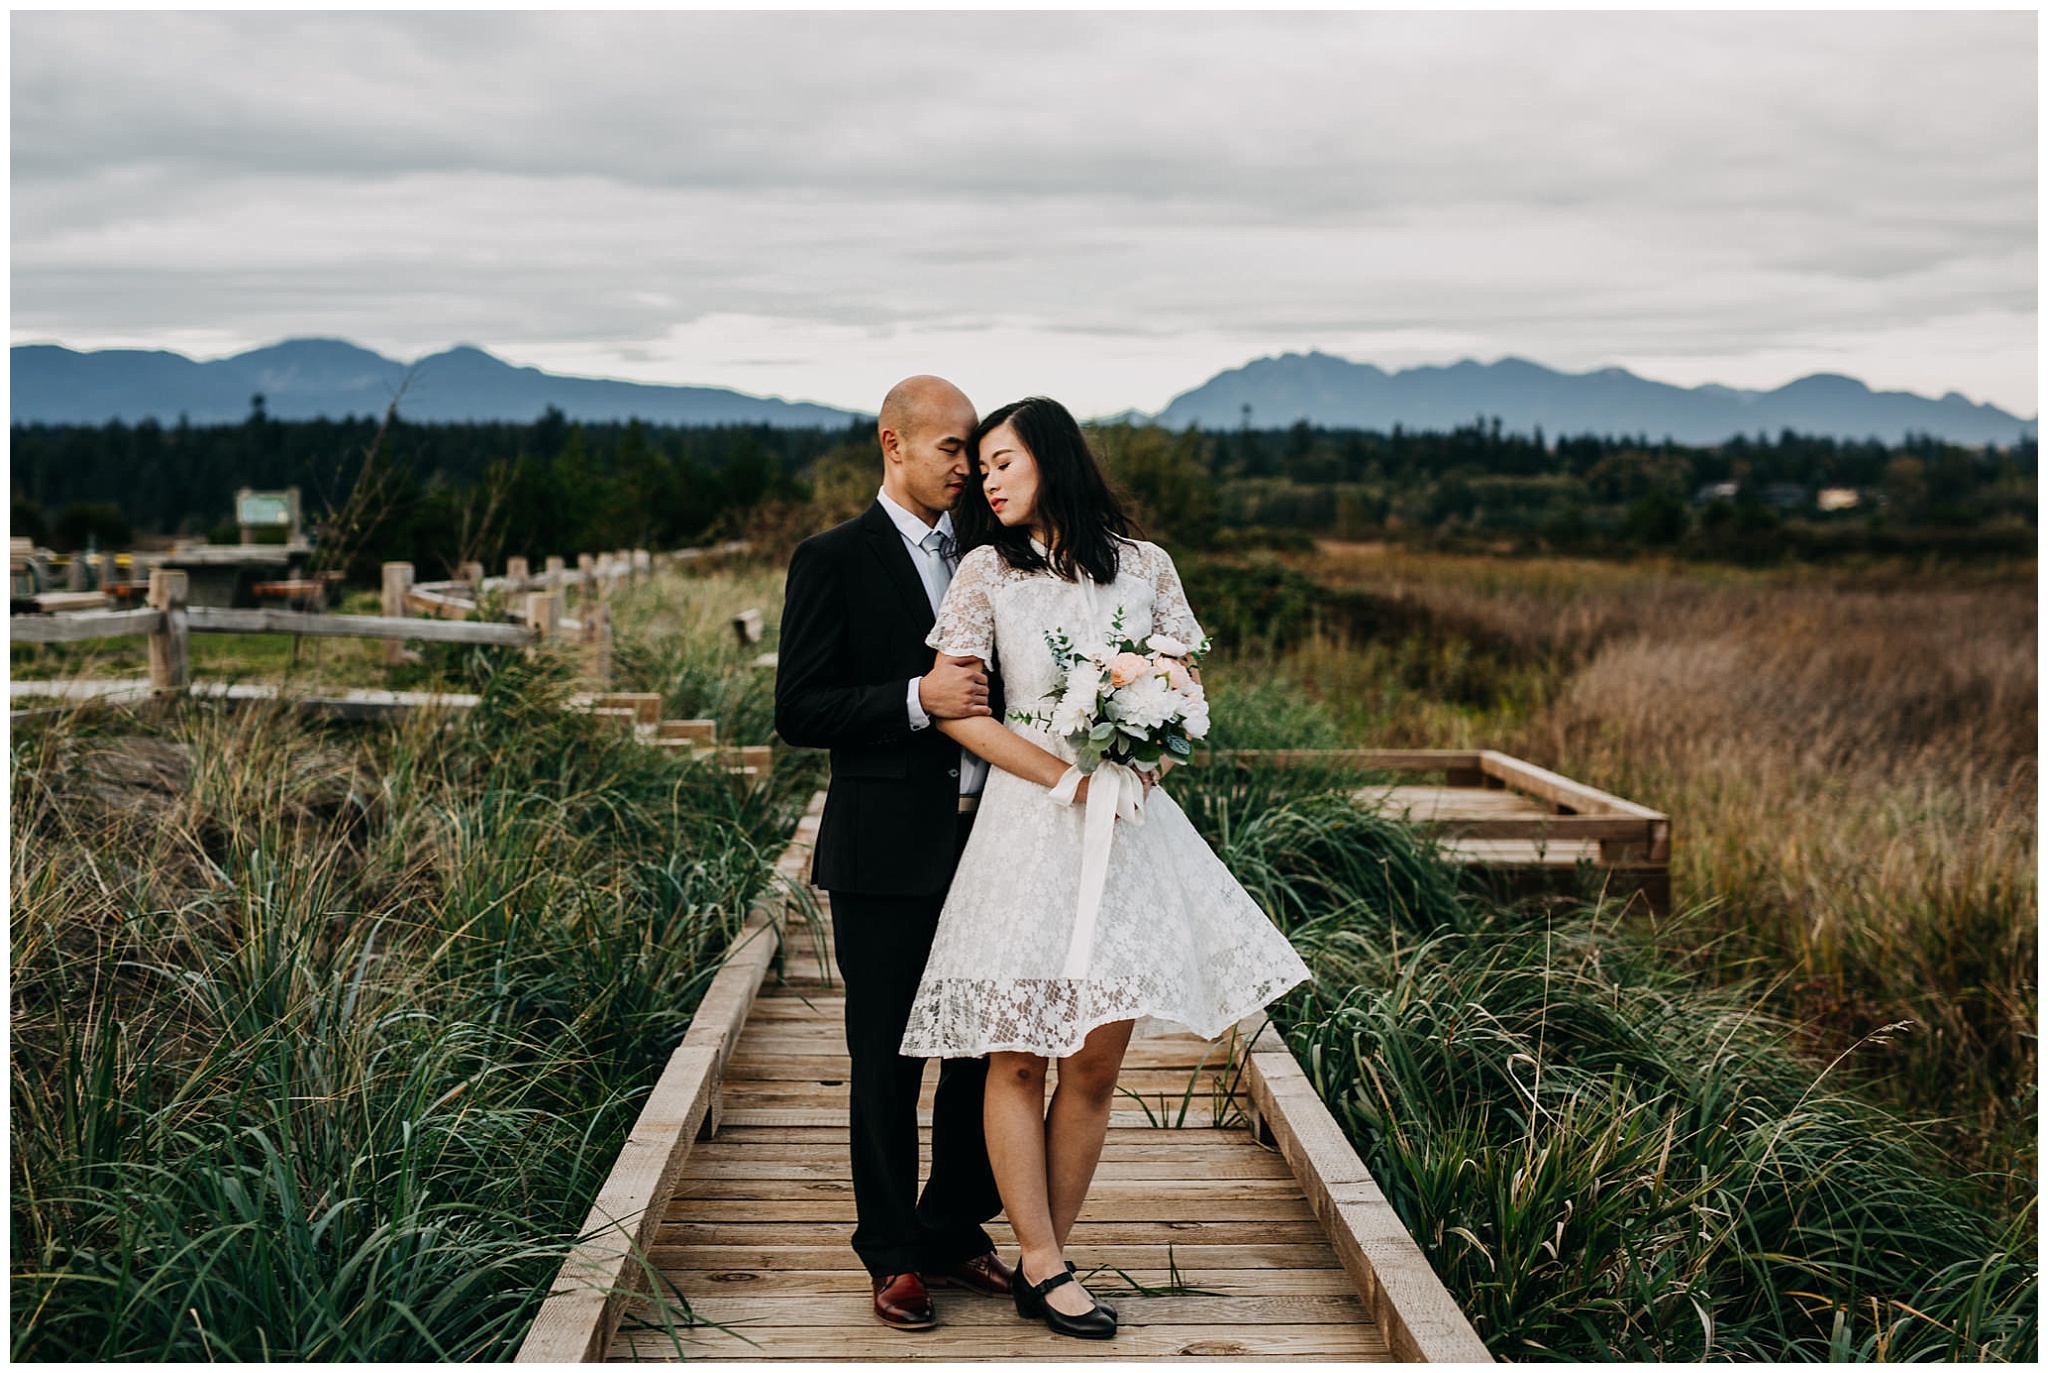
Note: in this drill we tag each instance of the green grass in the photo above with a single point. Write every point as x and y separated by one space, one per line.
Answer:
324 1038
1603 1157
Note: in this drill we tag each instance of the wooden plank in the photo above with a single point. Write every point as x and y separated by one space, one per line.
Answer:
427 599
1409 1302
1331 1281
1557 788
1117 1194
1353 759
741 1111
1521 853
1087 1232
854 1310
1333 1343
645 705
215 620
73 601
1191 1207
71 629
1193 1260
1464 803
770 1163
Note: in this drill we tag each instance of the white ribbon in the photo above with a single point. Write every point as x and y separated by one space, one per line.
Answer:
1114 792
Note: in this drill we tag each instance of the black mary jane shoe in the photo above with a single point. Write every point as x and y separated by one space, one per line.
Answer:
1096 1324
1098 1301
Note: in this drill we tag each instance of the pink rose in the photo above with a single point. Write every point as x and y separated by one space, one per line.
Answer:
1126 668
1177 676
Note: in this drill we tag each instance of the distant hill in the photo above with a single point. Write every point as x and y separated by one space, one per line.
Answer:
306 378
1330 391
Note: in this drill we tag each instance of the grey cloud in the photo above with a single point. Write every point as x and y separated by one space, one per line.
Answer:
1587 183
1317 112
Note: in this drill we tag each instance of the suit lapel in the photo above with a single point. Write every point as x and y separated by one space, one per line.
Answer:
887 544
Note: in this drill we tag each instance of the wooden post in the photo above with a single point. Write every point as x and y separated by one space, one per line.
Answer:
544 613
586 576
397 581
515 572
597 636
170 646
471 573
555 568
74 573
746 626
110 571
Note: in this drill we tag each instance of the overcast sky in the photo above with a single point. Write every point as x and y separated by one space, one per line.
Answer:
1104 208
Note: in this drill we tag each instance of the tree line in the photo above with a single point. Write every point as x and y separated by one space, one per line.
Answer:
440 494
435 494
1478 486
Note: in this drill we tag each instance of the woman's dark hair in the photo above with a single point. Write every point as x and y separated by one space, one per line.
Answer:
1075 504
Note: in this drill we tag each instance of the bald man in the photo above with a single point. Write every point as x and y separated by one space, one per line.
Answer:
855 677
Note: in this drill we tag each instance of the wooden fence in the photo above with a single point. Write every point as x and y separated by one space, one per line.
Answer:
521 608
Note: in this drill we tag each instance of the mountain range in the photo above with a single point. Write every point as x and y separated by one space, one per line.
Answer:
1330 391
303 378
306 378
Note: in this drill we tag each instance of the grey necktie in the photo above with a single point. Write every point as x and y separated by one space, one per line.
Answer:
938 571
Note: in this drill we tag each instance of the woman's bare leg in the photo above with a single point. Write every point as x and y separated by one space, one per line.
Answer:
1013 1122
1078 1121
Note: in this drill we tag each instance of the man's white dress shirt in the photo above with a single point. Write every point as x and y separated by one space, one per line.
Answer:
936 573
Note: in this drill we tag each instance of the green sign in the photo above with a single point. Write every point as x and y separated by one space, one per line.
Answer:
264 507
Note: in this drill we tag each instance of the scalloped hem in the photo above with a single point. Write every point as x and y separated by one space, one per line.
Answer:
1167 1024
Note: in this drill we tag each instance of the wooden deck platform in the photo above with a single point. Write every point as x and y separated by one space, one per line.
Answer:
1531 829
1229 1219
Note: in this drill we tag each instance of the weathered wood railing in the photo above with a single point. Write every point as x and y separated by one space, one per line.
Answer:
472 609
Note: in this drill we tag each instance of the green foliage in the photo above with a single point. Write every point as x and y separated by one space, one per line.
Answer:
26 521
1252 710
1171 492
323 1039
1603 1159
97 523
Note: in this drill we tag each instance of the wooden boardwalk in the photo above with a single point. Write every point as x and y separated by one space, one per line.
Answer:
1229 1219
756 1236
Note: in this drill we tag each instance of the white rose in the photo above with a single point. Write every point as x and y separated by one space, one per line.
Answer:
1170 646
1147 703
1074 716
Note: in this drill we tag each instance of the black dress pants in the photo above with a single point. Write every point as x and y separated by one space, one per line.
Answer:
881 943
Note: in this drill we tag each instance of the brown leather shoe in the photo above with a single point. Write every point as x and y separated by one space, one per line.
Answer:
902 1303
984 1273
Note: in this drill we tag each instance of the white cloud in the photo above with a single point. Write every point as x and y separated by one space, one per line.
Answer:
1108 207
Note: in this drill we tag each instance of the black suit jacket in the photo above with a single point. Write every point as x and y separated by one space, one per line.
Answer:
854 617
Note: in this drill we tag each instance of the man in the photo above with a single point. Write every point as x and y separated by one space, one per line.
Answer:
855 677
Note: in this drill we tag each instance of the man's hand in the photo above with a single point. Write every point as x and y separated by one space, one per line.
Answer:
954 689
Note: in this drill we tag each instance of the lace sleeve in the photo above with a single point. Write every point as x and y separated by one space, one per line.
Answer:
966 625
1171 614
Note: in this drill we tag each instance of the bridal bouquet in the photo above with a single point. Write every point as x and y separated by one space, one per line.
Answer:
1126 702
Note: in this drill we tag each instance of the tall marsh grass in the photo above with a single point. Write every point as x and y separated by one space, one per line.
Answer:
1848 757
1603 1157
324 1037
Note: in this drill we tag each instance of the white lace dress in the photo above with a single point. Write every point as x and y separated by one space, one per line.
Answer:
1177 942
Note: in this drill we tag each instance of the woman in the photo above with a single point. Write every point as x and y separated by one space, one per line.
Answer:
1175 938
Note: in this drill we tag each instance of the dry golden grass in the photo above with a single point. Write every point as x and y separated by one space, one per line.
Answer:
1849 760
